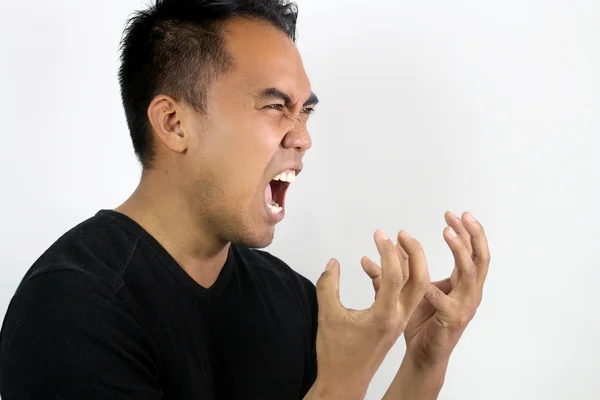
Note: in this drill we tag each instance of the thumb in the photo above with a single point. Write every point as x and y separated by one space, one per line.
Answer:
370 267
328 287
437 298
444 285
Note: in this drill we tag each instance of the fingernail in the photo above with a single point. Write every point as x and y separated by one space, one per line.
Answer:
406 234
470 217
381 235
452 232
329 264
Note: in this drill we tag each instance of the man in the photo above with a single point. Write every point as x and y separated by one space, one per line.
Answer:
166 297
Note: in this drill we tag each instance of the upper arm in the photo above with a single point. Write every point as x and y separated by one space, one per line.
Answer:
66 336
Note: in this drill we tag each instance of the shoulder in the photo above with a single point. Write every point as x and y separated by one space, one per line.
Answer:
98 247
66 332
79 276
71 305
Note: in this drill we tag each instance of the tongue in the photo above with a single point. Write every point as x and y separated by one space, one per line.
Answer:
268 195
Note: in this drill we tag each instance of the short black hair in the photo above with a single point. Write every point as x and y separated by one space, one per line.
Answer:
176 47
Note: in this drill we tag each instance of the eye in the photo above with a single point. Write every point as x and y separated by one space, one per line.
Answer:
308 110
277 107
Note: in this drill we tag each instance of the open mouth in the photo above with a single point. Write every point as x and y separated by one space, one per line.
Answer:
276 190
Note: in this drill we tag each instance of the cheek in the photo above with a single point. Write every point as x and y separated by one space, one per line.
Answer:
243 158
256 144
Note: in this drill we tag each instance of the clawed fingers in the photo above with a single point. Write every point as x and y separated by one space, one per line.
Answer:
392 280
404 273
418 270
403 256
370 267
472 258
444 285
467 273
479 243
457 224
373 271
328 289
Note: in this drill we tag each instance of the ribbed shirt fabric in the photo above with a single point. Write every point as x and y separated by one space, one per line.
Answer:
106 313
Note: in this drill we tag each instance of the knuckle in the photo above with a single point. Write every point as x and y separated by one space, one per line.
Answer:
386 325
486 258
471 271
385 317
420 280
319 285
325 319
413 247
383 321
321 282
399 327
376 285
390 327
464 316
388 246
464 320
321 289
396 282
437 294
478 300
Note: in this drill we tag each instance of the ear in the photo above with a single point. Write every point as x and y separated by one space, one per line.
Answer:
166 117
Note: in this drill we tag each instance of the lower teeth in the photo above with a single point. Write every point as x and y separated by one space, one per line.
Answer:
275 208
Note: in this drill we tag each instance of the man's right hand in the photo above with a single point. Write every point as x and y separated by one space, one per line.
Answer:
352 344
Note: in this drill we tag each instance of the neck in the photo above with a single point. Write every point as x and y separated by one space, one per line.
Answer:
158 206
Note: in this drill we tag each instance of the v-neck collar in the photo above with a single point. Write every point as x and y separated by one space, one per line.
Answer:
207 293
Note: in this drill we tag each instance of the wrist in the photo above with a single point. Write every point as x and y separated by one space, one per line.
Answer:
426 370
421 381
416 381
325 390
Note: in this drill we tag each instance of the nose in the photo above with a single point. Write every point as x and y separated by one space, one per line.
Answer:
298 138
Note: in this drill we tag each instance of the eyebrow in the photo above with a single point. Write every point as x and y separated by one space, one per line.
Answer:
274 93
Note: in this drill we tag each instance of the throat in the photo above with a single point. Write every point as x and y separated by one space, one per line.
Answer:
278 189
207 269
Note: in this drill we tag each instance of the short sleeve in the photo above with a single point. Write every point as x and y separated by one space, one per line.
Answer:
67 336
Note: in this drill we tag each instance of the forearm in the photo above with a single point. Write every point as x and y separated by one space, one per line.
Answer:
412 383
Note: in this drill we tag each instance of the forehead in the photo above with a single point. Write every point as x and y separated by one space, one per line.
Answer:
264 57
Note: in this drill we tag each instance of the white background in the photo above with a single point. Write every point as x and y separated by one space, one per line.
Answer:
426 106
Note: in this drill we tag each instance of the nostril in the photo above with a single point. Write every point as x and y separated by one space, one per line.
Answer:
298 139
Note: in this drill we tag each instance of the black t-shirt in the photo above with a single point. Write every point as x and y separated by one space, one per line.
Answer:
106 313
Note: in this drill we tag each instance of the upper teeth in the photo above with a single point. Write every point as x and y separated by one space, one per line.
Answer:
287 176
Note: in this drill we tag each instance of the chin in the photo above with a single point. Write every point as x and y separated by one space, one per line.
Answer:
255 238
261 241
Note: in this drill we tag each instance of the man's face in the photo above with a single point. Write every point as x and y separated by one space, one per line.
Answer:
254 130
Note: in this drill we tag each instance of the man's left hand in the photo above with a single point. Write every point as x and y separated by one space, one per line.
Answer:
449 305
